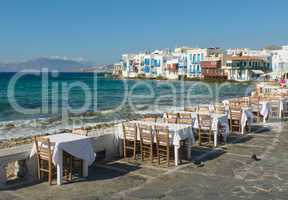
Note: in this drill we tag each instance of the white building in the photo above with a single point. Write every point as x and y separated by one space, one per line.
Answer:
129 71
279 61
194 57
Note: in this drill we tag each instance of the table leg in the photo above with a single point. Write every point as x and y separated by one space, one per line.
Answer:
60 168
176 154
215 138
85 168
189 146
249 124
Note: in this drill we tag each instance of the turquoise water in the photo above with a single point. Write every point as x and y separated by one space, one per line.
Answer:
109 99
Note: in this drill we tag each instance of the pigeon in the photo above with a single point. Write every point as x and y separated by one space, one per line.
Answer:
199 163
254 157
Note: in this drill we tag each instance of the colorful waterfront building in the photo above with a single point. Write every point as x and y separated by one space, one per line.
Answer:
171 69
279 62
245 68
212 68
194 57
129 70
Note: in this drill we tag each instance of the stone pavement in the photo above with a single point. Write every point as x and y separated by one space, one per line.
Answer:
228 173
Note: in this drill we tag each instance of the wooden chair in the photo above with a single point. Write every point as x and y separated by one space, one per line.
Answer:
163 145
146 141
190 109
203 109
235 120
219 109
256 107
129 139
185 116
236 104
44 149
285 110
188 121
274 109
171 117
171 120
244 102
205 129
150 118
72 161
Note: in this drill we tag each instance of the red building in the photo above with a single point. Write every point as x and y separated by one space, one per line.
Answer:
211 69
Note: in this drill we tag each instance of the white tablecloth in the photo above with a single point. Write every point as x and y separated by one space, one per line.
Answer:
265 109
282 106
76 145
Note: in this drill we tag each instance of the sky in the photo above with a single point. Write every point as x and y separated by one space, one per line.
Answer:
102 30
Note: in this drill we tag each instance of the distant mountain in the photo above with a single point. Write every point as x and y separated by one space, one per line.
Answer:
273 47
100 68
52 63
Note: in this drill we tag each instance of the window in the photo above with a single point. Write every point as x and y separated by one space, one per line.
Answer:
198 57
202 56
147 61
194 58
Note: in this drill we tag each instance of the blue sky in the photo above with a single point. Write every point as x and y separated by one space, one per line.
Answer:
101 31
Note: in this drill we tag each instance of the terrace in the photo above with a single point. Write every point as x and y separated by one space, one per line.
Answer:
227 173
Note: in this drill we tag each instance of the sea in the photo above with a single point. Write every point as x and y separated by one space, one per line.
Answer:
33 103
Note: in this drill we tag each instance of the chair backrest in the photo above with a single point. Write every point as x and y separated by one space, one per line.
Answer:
203 109
188 121
44 147
150 118
162 135
235 103
204 121
172 115
254 100
80 131
190 109
274 108
185 115
235 114
130 131
171 120
146 134
219 109
244 102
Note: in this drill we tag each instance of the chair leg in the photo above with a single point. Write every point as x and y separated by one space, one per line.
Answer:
142 151
151 152
168 156
39 172
50 173
200 139
124 149
134 151
70 167
158 154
